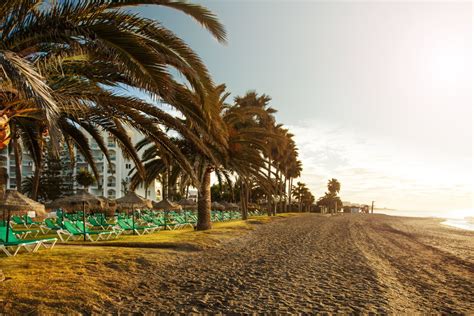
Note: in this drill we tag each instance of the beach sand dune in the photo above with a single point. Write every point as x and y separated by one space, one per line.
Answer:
311 263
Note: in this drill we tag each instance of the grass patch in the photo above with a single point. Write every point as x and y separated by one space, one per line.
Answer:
79 278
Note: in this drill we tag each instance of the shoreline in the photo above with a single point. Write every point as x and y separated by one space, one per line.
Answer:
464 223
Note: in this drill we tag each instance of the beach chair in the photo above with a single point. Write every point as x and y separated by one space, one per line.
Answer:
101 235
154 221
17 220
23 233
72 232
150 228
95 223
127 226
181 222
49 225
16 244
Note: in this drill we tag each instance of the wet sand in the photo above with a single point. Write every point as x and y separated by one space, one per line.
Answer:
311 263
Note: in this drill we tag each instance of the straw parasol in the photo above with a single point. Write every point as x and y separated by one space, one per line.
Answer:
188 204
81 198
166 205
230 206
58 203
13 200
217 206
131 200
253 206
84 199
110 205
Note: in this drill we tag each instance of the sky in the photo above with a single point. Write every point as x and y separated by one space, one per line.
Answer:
378 94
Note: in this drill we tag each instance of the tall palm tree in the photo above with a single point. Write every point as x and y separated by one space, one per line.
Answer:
62 62
294 171
236 144
299 192
334 186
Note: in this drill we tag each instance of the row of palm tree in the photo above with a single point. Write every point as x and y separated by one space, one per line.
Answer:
303 195
72 68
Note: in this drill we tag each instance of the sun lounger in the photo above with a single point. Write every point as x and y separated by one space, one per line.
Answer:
127 226
71 231
49 225
95 223
16 244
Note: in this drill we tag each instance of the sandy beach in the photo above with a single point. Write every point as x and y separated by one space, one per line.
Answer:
301 264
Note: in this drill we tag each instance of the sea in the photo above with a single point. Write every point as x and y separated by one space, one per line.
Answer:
463 219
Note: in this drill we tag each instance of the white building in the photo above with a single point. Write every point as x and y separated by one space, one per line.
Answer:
27 167
113 178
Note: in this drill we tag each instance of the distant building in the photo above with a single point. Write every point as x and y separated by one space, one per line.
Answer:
27 167
113 178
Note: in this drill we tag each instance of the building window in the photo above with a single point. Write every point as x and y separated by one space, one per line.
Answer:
128 165
111 194
112 155
111 168
110 142
111 181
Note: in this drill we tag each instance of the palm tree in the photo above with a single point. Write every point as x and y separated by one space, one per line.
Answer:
60 60
235 144
334 186
299 192
294 171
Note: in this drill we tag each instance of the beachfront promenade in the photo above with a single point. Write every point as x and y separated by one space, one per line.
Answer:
303 263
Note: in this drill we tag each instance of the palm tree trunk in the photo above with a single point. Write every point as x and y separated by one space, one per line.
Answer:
243 199
290 184
3 180
164 186
204 201
36 182
269 195
276 209
16 150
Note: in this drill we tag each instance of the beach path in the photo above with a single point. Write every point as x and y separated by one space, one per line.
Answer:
310 263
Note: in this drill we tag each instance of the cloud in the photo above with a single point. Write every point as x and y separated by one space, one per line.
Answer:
370 169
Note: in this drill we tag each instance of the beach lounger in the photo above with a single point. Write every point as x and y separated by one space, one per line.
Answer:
127 226
71 231
25 221
95 223
16 244
49 225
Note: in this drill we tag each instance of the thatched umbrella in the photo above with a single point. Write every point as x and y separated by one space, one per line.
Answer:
217 206
166 205
132 200
253 206
58 203
82 198
188 204
13 200
230 206
110 205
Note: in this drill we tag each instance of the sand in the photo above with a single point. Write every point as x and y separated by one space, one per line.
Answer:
311 263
